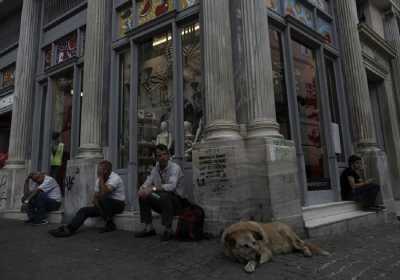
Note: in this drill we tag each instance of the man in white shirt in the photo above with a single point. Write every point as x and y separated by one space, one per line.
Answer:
161 192
108 200
45 197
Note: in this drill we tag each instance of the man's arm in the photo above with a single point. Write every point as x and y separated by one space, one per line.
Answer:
355 185
172 181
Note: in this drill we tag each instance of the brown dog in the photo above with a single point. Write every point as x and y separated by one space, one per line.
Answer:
255 243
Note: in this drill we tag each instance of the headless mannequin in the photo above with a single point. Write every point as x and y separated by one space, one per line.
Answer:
164 137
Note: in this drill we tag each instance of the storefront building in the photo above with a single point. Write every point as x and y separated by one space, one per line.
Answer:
260 101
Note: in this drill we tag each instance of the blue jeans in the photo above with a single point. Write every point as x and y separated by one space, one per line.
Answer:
40 205
366 195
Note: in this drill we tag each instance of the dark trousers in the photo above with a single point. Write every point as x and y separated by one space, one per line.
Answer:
168 204
106 208
366 195
40 205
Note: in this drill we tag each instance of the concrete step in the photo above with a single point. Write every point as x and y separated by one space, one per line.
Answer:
338 218
54 217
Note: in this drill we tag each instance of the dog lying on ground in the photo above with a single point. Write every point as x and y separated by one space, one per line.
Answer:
255 243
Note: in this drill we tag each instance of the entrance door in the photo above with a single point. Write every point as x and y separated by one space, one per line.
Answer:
374 90
318 184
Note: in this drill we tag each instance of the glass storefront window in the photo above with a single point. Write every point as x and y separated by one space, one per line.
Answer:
83 42
65 48
125 20
155 101
188 3
273 5
281 101
297 10
62 96
325 29
310 120
47 56
322 5
192 93
150 9
123 118
7 77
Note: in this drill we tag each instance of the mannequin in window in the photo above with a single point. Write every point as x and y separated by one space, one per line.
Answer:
164 137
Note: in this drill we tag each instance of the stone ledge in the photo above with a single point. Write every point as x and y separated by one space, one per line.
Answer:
318 222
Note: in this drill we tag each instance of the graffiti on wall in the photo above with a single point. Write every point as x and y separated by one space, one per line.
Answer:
3 190
69 182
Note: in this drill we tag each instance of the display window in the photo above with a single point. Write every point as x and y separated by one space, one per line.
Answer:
322 5
188 3
7 76
325 28
273 5
155 101
192 93
47 56
147 10
125 20
312 139
298 10
65 48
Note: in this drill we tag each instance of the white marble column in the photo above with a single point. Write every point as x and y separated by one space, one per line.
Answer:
392 35
91 146
257 79
218 71
355 76
21 124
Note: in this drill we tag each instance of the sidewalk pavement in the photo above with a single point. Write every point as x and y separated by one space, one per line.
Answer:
28 252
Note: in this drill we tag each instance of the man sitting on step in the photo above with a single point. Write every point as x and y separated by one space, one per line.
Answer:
354 187
109 199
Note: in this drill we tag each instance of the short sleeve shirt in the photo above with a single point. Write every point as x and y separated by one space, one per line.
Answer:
51 188
346 189
117 186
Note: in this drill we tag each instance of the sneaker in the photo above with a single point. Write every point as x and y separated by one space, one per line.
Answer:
145 233
109 227
62 231
39 223
166 236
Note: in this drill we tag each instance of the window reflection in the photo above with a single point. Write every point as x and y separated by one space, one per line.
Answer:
193 99
309 113
187 3
150 9
155 101
281 103
123 118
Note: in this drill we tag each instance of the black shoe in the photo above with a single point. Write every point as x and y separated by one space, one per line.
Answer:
61 232
39 223
110 226
166 236
145 233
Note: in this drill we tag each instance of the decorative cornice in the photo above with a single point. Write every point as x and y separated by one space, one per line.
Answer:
371 64
370 37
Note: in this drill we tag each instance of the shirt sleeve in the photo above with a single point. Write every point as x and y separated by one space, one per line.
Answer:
150 179
96 186
172 181
113 182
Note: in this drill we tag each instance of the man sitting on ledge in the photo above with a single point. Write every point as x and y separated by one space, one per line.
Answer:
354 187
109 199
161 192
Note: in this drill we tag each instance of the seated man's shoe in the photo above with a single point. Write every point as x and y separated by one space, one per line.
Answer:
39 223
145 233
109 227
62 231
166 236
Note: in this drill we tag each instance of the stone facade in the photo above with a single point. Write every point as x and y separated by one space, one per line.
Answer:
243 168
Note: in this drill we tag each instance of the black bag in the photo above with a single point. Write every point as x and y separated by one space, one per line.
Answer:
190 223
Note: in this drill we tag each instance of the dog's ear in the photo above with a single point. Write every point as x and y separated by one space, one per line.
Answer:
230 241
257 235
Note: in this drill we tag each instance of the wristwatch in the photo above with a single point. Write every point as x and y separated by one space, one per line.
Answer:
154 189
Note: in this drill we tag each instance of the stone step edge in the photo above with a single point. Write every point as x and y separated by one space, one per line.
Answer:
327 205
325 221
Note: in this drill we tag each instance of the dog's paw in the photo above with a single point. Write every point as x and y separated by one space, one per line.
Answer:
250 267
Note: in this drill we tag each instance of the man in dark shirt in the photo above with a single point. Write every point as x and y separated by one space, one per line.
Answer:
354 187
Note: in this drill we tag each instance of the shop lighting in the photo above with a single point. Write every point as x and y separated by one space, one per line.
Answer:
185 31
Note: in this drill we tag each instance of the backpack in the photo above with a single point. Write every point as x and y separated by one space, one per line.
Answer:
190 223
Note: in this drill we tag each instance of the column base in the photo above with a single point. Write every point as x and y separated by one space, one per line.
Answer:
12 179
80 180
254 179
90 151
263 129
223 130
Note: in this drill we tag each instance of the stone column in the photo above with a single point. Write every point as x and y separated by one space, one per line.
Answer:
356 82
218 71
392 35
91 146
257 79
21 124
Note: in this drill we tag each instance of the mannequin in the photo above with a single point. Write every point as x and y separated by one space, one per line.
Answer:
164 137
188 139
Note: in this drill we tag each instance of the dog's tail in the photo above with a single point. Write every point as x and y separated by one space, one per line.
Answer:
315 249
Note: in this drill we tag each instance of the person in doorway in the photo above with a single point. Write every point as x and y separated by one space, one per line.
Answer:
45 197
108 200
161 192
354 187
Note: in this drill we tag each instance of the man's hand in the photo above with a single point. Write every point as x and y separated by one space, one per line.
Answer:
369 180
145 191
